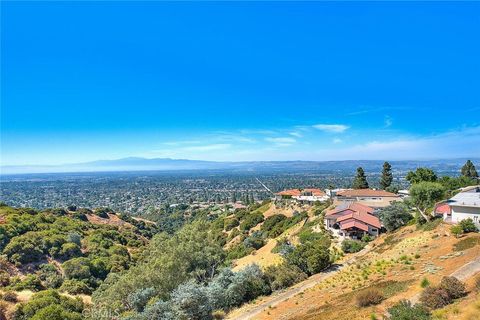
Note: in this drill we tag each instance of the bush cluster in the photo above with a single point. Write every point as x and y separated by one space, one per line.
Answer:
369 297
435 297
352 246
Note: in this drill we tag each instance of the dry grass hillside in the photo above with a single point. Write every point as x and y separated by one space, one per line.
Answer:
396 265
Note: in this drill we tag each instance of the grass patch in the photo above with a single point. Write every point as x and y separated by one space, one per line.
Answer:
467 243
389 242
431 225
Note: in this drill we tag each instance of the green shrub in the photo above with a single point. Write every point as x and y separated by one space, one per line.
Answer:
456 230
425 283
73 286
404 310
454 287
351 246
49 305
230 223
311 257
30 282
468 225
395 215
284 275
69 250
369 297
251 221
254 241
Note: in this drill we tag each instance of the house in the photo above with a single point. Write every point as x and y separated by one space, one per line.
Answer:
369 197
353 220
443 209
464 205
302 195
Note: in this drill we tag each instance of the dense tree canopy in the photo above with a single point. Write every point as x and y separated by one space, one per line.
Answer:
420 175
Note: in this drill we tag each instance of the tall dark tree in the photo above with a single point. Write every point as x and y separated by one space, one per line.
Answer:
468 170
387 176
360 181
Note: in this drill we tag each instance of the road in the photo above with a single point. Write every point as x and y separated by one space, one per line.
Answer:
312 281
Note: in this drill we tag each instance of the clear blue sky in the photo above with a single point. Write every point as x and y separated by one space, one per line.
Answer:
239 81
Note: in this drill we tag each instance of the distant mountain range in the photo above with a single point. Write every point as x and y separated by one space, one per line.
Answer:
167 164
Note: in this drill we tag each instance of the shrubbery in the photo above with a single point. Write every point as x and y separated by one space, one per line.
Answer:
284 275
404 310
435 297
50 305
352 246
73 286
454 287
251 221
394 216
369 297
311 257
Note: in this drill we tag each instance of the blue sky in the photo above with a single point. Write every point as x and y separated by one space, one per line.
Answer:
84 81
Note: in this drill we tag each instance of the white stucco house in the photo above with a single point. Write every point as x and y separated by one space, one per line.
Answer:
464 205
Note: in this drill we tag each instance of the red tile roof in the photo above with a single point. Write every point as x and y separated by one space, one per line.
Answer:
443 208
362 217
354 206
355 212
365 193
353 223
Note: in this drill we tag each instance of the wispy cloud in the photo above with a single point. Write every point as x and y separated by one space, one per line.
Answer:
337 140
333 128
282 141
296 134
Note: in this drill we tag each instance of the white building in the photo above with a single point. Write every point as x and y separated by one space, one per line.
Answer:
466 204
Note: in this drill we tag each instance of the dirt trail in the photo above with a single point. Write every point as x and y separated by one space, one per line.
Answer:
312 281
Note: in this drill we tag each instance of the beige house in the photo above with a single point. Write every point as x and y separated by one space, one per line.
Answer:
368 197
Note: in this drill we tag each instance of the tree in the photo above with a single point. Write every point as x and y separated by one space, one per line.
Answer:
360 181
468 170
424 195
421 174
387 176
394 216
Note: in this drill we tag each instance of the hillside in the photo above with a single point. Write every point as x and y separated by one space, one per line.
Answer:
71 251
396 264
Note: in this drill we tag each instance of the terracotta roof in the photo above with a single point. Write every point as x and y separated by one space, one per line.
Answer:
291 192
298 192
443 208
353 206
362 217
365 193
353 223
